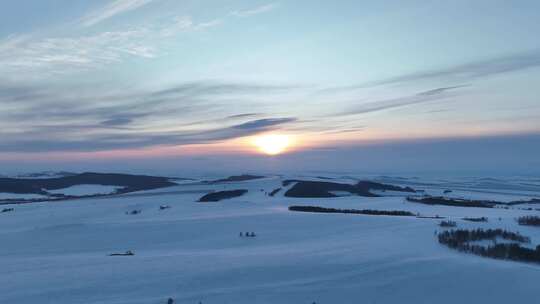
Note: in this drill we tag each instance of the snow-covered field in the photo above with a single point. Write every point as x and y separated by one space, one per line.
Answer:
77 190
7 196
80 190
58 252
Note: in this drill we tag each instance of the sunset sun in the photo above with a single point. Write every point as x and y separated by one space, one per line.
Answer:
272 144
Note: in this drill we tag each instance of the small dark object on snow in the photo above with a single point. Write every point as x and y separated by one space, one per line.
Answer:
447 191
8 209
163 207
133 212
248 234
127 253
170 301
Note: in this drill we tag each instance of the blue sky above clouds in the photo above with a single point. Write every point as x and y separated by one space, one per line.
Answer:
94 76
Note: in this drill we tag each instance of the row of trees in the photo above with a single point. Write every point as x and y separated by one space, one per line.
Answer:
439 200
350 211
462 240
275 191
447 224
475 219
531 220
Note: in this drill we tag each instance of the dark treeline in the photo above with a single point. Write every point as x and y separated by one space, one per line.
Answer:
461 236
461 240
446 201
531 201
447 224
430 216
350 211
235 178
475 219
275 191
369 185
439 200
529 220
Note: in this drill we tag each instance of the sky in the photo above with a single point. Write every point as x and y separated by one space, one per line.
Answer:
178 85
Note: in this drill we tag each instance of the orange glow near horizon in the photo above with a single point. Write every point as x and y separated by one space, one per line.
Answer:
264 143
272 144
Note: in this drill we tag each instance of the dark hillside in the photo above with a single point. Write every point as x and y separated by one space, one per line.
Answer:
324 189
40 186
236 178
221 195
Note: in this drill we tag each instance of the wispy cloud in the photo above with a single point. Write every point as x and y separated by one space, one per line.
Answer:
186 24
100 104
120 120
422 97
57 119
219 88
264 123
344 131
35 142
255 11
57 55
27 56
34 56
459 73
475 70
244 115
112 9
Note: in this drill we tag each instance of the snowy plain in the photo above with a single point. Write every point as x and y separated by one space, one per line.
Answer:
80 190
58 252
7 196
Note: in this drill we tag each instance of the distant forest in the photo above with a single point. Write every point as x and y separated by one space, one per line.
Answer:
529 220
462 240
439 200
350 211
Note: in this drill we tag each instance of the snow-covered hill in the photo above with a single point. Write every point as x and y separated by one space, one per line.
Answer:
58 252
